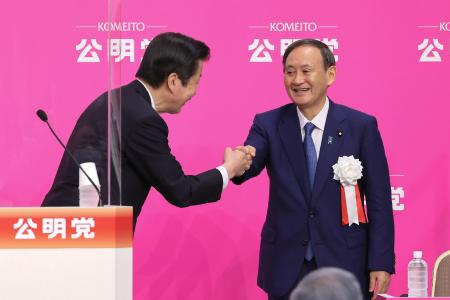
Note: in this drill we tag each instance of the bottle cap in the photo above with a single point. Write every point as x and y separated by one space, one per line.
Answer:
417 254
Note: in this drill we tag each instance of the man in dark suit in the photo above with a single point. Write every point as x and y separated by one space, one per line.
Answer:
167 78
316 218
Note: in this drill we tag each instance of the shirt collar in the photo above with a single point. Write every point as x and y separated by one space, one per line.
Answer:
150 94
319 120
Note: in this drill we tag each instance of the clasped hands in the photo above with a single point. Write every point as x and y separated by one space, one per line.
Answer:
239 160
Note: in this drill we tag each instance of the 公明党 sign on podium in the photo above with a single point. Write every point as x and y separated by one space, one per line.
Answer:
66 253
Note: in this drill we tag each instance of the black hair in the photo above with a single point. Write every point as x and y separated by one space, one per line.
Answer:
327 55
168 53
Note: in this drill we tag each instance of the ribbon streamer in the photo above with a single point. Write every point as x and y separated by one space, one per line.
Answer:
351 206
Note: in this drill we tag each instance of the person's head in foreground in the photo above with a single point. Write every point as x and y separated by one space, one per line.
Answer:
328 284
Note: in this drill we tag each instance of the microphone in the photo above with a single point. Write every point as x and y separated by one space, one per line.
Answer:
43 116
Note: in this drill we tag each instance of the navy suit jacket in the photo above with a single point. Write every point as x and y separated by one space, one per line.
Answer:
146 158
297 214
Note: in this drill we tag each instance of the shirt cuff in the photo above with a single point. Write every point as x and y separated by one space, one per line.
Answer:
224 174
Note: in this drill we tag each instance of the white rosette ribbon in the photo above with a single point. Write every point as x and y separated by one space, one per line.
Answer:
347 171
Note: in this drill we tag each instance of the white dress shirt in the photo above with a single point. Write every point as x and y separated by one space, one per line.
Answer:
150 94
222 170
318 121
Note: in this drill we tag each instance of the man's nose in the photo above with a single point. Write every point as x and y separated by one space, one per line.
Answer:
299 78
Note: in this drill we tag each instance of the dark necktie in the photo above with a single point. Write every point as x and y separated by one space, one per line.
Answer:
311 162
310 152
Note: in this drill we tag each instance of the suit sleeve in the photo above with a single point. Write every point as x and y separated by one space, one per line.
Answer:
148 151
379 204
257 138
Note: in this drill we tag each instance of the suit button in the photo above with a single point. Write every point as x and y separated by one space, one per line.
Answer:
305 243
312 213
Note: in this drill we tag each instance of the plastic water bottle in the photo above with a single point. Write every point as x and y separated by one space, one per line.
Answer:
417 276
88 196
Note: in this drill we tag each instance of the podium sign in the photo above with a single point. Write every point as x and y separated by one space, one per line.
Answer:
66 253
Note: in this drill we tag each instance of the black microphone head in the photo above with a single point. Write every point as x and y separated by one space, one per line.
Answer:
42 115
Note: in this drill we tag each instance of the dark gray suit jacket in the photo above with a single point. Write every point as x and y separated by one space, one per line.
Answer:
146 158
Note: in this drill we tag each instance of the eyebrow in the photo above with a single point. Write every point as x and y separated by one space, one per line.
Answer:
302 66
306 66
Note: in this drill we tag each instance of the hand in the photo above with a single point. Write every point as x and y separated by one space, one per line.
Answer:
250 150
379 283
236 162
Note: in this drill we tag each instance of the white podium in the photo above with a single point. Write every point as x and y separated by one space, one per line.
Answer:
55 253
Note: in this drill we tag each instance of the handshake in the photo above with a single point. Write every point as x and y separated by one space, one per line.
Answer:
239 160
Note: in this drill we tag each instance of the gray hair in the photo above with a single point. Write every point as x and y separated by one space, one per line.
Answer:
328 284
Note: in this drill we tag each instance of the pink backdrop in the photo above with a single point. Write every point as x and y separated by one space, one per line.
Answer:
211 251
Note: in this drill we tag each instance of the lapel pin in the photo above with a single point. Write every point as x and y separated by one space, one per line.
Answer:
330 140
340 133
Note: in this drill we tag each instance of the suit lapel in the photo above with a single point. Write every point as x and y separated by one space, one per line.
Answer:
329 148
289 130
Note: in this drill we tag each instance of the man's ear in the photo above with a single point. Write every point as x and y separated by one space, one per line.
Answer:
331 75
172 82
